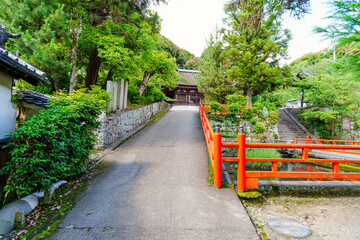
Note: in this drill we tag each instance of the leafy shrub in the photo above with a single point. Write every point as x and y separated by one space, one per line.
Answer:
247 114
253 120
236 98
215 106
233 109
153 94
259 127
134 94
55 143
274 117
276 136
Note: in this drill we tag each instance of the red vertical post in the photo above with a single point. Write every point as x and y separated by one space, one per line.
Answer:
217 160
241 163
305 152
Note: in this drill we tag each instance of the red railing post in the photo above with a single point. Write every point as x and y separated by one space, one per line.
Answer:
217 160
241 163
305 151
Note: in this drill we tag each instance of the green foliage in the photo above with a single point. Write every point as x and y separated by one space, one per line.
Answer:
133 94
243 59
44 42
236 98
259 127
181 55
254 120
153 94
253 48
212 78
215 106
96 41
55 143
193 63
247 113
274 117
262 153
234 108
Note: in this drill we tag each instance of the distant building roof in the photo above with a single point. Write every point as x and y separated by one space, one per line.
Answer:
32 97
20 69
189 75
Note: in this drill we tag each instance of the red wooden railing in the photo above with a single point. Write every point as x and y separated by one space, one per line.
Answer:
333 142
250 179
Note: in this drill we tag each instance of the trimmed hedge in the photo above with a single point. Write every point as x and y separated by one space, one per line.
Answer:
55 144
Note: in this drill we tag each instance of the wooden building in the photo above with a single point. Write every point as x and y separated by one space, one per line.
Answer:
186 93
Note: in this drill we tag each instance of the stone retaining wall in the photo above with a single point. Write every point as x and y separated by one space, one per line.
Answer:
120 125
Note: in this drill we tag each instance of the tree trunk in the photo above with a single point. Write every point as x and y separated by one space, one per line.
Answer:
92 69
76 34
143 85
249 95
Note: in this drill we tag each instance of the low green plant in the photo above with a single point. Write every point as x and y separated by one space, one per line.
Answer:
247 113
259 127
274 117
237 99
276 136
233 109
215 106
152 94
134 94
254 120
55 143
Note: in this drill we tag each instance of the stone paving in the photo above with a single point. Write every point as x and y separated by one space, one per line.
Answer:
155 186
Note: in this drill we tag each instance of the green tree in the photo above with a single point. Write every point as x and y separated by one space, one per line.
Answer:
45 36
254 46
193 63
181 55
212 78
344 31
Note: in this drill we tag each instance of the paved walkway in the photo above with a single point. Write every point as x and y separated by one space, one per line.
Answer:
157 188
335 155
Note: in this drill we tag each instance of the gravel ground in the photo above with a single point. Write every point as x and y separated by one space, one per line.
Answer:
333 218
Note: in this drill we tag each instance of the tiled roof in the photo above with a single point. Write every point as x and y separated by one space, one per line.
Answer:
189 75
20 69
32 97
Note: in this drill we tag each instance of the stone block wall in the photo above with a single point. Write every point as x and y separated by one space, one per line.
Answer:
120 125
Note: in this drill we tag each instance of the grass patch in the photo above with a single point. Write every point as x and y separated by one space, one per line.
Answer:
46 218
261 153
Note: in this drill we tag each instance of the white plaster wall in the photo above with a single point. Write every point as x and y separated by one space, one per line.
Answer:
7 108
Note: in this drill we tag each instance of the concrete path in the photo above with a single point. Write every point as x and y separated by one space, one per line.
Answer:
335 155
157 188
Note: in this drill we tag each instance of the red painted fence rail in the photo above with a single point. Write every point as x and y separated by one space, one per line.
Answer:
332 142
250 179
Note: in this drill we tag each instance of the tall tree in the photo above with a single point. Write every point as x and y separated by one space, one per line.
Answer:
44 42
212 78
254 46
129 13
344 30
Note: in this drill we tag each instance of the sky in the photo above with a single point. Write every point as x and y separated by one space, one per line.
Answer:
189 23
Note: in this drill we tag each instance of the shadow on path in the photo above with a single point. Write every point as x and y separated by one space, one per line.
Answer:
156 187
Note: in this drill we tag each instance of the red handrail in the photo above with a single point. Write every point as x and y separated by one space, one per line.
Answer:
334 142
250 179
